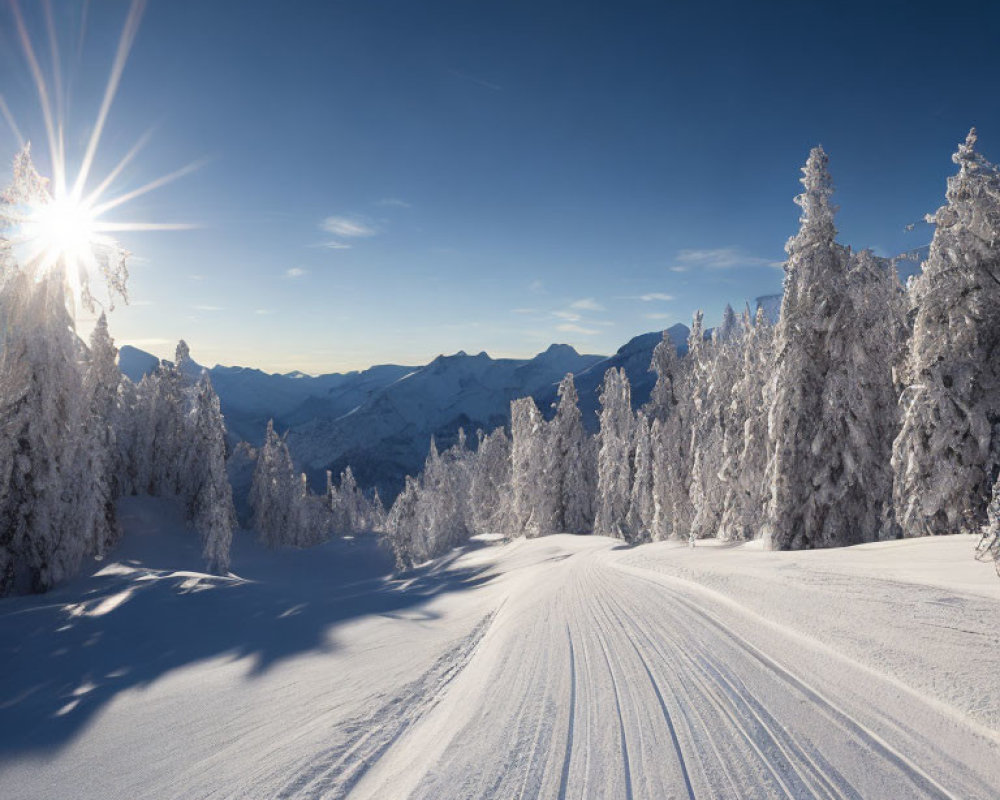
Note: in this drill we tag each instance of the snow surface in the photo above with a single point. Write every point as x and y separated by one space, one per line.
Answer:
556 667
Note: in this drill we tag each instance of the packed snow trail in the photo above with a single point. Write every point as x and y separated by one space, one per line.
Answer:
564 667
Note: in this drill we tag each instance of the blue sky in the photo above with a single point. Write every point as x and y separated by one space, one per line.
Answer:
386 181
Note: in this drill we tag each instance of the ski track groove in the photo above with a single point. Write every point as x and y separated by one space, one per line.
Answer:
851 725
564 775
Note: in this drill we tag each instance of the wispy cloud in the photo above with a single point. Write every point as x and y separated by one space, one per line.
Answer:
496 87
263 311
348 227
571 327
571 316
208 308
536 287
524 311
296 272
393 202
718 258
647 298
335 245
657 316
586 304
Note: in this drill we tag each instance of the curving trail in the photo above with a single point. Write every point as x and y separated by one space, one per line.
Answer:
603 679
563 667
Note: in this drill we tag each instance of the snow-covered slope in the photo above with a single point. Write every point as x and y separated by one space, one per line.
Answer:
557 667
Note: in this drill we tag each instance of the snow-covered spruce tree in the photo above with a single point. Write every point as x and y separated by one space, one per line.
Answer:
350 512
569 471
42 417
404 534
614 457
490 484
99 447
207 493
818 498
277 498
746 451
532 495
663 399
868 395
947 452
641 518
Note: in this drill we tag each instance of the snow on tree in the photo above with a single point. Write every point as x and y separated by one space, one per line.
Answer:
641 519
947 452
818 496
350 511
404 534
490 484
42 417
569 471
663 398
275 494
208 494
99 446
614 457
744 471
729 328
533 501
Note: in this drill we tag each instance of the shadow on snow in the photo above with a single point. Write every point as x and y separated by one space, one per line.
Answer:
64 655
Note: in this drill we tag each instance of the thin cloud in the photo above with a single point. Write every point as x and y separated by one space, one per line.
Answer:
648 298
524 311
263 311
348 227
569 327
536 287
208 308
586 304
570 316
393 202
657 316
334 245
296 272
719 258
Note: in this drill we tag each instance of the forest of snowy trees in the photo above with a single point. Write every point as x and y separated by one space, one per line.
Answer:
870 411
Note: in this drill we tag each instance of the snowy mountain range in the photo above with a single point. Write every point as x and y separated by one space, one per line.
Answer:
380 420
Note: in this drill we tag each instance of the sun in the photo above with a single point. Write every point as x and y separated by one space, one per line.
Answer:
57 227
62 230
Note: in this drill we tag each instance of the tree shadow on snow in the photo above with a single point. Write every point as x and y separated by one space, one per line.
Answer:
66 654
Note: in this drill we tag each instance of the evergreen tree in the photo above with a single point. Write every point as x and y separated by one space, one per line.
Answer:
533 507
490 484
947 452
813 483
569 471
641 519
614 458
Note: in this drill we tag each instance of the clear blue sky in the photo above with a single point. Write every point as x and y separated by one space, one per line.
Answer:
387 181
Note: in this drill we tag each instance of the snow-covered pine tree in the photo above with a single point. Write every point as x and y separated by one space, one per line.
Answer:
745 470
403 531
533 506
42 417
569 471
641 519
947 452
868 393
663 399
817 499
614 457
208 494
274 494
490 481
99 447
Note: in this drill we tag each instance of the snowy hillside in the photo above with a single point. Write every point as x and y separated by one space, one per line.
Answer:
558 667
